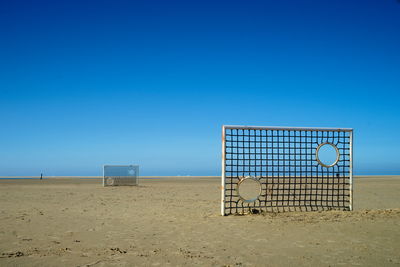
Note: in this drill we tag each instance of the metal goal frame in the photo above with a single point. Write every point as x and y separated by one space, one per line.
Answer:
285 162
120 177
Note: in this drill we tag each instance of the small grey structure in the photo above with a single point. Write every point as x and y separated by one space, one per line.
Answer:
120 175
284 167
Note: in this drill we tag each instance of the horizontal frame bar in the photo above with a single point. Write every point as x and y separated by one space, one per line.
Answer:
244 127
120 166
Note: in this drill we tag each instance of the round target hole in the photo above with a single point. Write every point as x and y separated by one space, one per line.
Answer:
327 154
249 189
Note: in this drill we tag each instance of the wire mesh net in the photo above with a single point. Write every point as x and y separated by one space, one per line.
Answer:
290 174
120 175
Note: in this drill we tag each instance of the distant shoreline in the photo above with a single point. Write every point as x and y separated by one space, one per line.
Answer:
97 177
152 177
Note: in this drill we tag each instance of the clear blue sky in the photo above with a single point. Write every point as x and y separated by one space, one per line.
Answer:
87 83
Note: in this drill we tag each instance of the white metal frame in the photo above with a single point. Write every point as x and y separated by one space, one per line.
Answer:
110 165
243 127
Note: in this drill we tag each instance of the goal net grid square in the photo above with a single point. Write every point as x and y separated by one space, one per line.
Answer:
114 175
284 164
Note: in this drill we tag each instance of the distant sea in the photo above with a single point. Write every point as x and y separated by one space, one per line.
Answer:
19 178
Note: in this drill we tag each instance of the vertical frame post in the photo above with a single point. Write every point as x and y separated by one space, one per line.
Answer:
351 171
223 173
137 173
103 176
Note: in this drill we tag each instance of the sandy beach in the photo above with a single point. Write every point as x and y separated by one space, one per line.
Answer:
176 222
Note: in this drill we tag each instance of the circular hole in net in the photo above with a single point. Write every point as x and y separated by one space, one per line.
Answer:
327 155
249 189
110 181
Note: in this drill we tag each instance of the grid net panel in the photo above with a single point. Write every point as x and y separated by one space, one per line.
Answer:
284 161
114 175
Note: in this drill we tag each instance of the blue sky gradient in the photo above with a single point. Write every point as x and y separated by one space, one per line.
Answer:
87 83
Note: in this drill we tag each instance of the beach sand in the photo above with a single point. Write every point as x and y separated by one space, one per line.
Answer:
176 222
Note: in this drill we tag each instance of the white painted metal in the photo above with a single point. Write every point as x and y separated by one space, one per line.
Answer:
223 173
351 171
287 128
241 127
124 179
